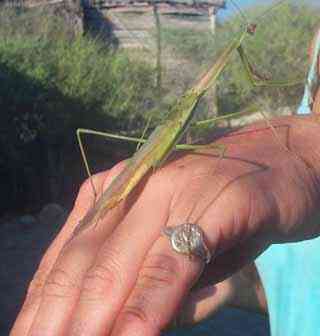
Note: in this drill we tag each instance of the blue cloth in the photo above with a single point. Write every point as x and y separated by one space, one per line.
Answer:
311 82
290 274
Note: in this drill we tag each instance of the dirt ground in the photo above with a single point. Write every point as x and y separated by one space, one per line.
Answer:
23 241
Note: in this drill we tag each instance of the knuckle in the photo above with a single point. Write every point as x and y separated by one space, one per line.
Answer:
101 279
134 314
35 287
37 283
117 168
60 283
159 271
142 318
34 292
86 186
114 172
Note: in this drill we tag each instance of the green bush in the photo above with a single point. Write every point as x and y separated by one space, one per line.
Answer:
97 83
50 85
277 51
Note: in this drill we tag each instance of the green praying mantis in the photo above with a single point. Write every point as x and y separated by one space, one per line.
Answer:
165 137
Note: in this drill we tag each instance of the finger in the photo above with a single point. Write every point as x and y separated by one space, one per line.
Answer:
84 201
108 282
164 280
165 277
63 284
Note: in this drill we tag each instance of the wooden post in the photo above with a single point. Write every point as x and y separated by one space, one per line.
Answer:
212 12
213 110
158 36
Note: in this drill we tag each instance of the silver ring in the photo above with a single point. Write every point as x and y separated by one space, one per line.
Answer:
188 239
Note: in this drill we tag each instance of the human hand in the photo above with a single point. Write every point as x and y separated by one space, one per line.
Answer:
123 277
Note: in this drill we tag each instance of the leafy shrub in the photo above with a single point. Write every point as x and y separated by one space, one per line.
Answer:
51 85
277 50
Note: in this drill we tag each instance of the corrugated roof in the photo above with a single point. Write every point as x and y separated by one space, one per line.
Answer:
215 3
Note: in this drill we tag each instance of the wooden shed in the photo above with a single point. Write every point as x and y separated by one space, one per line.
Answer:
131 21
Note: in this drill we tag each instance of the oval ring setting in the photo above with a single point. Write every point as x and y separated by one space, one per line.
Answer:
188 239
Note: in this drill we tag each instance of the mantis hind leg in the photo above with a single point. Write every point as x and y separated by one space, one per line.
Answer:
212 121
276 135
250 110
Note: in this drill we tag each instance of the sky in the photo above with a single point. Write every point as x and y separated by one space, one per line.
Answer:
242 4
245 3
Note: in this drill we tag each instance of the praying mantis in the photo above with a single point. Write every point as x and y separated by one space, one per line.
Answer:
165 137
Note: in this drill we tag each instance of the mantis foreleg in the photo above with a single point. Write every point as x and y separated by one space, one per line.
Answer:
84 158
144 133
256 79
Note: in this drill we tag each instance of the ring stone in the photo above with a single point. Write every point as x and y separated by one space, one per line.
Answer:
188 239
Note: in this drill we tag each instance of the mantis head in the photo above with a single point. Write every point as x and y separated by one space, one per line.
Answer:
251 29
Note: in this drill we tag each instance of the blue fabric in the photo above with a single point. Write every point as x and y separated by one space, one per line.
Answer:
290 274
311 82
